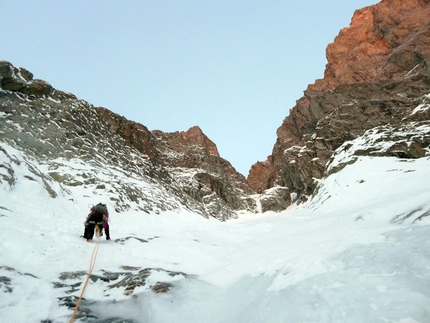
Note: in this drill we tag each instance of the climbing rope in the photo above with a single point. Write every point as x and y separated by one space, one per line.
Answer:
92 264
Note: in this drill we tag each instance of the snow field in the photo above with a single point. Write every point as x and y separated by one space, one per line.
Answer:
339 258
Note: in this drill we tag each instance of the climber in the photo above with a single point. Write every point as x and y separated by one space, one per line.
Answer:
98 217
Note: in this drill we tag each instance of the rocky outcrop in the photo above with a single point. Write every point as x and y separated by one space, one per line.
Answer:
383 42
126 279
19 79
377 73
259 175
192 159
275 199
195 136
49 125
212 177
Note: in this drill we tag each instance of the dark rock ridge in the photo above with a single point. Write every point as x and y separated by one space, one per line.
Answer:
53 126
50 125
377 74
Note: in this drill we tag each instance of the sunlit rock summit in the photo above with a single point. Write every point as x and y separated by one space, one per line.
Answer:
376 76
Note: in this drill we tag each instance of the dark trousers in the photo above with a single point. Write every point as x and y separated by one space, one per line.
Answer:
107 232
89 232
93 221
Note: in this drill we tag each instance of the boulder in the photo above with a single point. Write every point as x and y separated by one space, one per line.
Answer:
275 199
10 80
21 80
39 88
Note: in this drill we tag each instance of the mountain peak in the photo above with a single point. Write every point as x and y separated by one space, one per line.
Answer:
377 73
196 136
383 42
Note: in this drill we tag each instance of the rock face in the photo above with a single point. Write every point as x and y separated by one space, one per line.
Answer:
48 124
192 159
377 73
19 79
384 42
196 136
258 175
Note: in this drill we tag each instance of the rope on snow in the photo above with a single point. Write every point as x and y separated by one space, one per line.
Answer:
92 264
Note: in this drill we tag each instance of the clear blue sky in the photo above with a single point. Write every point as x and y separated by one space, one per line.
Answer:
234 68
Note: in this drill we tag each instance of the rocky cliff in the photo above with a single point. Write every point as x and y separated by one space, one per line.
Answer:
53 126
377 74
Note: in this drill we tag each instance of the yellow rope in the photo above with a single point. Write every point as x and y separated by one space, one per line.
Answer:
92 263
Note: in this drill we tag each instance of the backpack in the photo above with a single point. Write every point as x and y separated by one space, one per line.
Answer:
100 208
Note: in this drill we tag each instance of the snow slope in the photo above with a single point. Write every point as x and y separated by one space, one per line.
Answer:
359 251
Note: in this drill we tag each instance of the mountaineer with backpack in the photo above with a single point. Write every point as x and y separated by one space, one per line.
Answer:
97 218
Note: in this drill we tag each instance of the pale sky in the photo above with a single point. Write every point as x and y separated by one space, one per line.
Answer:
233 68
